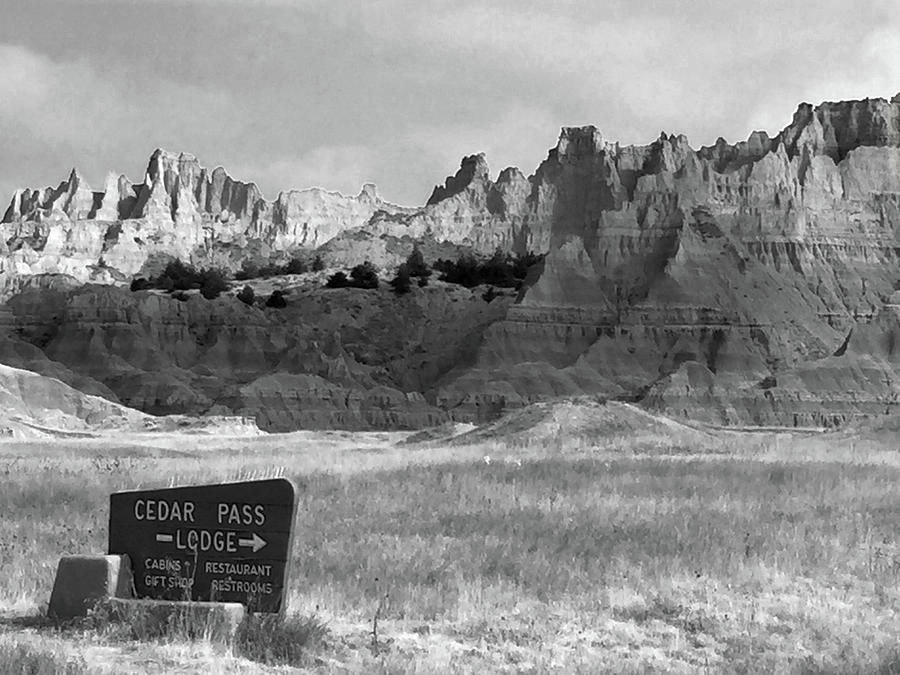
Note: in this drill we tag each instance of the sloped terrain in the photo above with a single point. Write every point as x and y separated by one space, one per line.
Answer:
33 405
576 422
738 284
332 358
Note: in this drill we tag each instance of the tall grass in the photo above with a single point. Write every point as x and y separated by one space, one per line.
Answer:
25 659
606 556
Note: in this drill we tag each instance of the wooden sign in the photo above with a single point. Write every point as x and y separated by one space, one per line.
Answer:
229 542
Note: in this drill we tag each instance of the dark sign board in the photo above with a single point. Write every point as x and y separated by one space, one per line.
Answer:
229 542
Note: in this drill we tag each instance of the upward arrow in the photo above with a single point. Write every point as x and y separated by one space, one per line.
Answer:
254 544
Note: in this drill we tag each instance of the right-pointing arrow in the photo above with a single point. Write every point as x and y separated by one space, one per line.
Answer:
255 543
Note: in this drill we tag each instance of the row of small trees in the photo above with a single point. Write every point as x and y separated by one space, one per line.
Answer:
250 270
363 275
503 270
180 276
248 297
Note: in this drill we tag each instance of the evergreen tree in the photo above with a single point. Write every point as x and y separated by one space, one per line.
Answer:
249 270
212 283
246 295
337 280
364 275
276 300
295 266
402 282
415 264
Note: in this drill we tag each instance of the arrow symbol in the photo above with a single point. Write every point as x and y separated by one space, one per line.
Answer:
164 538
255 543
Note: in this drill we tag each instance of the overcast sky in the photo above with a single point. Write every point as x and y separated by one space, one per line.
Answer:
291 94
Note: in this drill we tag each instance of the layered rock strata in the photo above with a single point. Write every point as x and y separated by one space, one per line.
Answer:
703 276
341 358
720 283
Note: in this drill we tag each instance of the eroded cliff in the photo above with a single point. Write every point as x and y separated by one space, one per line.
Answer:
743 284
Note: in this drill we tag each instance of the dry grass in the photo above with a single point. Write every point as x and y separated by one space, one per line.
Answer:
636 553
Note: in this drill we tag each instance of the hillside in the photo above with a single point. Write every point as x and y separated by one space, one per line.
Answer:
746 283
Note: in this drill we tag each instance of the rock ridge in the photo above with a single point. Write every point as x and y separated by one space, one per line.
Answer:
718 283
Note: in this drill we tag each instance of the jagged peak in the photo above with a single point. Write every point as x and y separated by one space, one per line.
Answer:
579 141
835 128
478 164
161 154
510 174
368 192
76 179
471 168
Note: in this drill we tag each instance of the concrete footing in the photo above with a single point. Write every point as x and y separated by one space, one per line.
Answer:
82 580
150 619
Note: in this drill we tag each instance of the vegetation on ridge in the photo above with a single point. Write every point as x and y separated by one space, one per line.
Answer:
363 275
181 276
250 270
501 269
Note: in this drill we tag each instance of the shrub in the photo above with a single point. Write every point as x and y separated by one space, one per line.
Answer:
415 264
249 270
489 294
295 266
164 283
276 300
180 295
498 270
183 275
337 280
246 295
501 269
140 284
318 265
212 283
402 282
364 275
522 263
465 271
276 640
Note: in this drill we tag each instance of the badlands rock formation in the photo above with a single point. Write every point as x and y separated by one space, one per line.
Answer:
744 284
344 358
720 283
182 210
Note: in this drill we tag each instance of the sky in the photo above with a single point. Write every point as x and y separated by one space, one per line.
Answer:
296 93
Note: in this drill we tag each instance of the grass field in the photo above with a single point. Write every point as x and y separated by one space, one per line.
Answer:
625 553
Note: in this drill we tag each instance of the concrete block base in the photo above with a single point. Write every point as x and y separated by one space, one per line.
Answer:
82 580
151 619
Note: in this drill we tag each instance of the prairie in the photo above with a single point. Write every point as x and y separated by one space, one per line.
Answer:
665 549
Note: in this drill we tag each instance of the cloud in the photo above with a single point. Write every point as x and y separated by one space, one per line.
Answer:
519 137
69 113
294 93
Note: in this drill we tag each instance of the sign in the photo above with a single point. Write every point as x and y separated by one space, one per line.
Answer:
229 542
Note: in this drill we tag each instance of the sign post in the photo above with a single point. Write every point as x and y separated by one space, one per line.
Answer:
229 542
